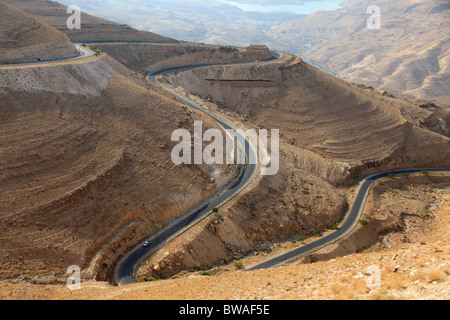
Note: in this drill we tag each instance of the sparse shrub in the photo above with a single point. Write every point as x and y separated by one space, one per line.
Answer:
364 222
150 279
204 273
318 233
245 253
215 210
391 175
225 259
332 226
238 264
96 51
197 267
238 256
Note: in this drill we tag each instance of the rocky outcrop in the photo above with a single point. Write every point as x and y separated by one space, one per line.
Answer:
291 204
258 52
314 111
395 211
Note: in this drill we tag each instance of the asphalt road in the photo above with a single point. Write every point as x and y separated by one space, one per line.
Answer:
86 53
349 224
125 271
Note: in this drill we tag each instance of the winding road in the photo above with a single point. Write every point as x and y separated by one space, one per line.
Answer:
85 53
125 271
351 221
126 268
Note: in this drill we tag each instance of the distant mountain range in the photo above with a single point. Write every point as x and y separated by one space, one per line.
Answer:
408 56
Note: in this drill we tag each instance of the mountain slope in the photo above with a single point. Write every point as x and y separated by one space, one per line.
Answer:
24 38
332 133
86 170
93 29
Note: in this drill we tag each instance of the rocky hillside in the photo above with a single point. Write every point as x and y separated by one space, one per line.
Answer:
86 154
353 125
413 261
332 133
24 38
86 165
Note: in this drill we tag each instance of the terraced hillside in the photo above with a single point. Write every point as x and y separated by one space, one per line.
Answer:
24 38
342 122
332 133
86 170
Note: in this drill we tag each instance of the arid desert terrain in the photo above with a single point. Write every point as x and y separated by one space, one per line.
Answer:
86 173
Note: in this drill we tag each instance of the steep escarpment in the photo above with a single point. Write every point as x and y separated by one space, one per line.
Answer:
291 204
86 166
24 38
400 211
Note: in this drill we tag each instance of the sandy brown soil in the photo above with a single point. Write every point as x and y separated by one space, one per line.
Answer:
147 58
87 174
415 269
353 125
